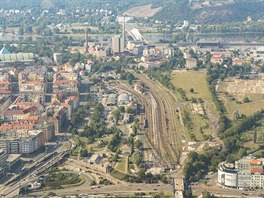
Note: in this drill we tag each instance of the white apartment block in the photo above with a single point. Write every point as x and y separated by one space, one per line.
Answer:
248 173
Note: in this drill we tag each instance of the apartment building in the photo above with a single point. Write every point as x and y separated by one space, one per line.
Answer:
66 82
33 85
5 84
21 141
247 173
5 101
21 110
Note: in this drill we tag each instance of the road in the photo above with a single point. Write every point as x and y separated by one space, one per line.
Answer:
119 187
213 187
221 192
73 164
10 189
111 189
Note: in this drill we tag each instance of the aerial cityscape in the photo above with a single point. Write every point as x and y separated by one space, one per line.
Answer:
130 98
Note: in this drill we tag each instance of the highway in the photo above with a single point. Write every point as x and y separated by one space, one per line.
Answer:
88 171
10 188
110 189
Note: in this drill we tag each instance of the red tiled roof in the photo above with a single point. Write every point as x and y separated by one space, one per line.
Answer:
255 162
237 60
74 97
217 56
5 82
5 91
257 170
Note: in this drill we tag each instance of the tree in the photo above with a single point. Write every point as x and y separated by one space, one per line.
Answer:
164 179
29 29
192 90
208 195
138 144
138 157
141 174
246 100
84 153
116 114
21 31
121 109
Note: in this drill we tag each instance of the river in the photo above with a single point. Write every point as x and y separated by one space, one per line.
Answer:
156 38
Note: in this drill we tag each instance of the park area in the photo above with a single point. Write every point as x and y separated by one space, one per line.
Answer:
59 180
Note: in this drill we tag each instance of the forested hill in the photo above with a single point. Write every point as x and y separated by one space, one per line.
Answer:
172 10
175 10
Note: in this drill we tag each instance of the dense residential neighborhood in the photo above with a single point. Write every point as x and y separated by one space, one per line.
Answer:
131 98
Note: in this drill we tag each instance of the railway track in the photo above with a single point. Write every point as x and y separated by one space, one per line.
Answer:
151 132
163 133
170 135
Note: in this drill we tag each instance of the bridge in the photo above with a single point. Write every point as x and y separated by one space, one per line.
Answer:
135 34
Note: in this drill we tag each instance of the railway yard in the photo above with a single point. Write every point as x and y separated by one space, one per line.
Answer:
164 132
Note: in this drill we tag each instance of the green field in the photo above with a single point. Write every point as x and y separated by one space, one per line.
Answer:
121 166
192 79
196 80
249 137
62 181
118 175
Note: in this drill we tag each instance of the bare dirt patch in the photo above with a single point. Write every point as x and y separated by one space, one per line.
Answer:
233 91
241 88
142 11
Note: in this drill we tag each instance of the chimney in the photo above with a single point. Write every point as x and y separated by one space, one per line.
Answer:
124 31
86 41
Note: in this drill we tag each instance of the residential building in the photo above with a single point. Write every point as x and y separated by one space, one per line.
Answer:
5 84
98 51
247 173
5 101
48 129
217 58
66 82
237 61
33 85
191 63
60 119
20 109
21 141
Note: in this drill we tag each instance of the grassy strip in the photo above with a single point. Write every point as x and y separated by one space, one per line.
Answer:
118 175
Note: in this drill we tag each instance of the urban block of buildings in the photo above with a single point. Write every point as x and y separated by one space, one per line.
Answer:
246 173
